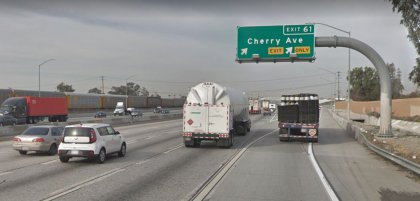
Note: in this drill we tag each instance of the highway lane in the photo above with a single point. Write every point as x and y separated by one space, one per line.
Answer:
11 159
273 170
158 144
86 116
358 173
159 167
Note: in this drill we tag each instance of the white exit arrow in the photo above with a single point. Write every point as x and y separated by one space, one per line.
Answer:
244 51
289 50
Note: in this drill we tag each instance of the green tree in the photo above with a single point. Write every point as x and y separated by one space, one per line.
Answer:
131 89
410 11
414 75
64 87
364 84
95 91
395 75
144 92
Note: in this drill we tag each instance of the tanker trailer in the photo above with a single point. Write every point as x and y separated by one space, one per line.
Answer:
214 113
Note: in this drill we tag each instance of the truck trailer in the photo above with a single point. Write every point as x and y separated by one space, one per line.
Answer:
266 107
213 112
254 106
30 109
298 117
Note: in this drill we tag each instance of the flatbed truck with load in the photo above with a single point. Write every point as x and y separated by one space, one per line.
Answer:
31 110
298 117
214 113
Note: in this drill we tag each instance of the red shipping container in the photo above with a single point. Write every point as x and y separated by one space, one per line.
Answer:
43 106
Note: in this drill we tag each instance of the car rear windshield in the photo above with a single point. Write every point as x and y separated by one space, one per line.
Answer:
36 131
77 131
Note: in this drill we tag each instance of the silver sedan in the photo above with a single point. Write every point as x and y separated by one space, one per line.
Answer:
39 139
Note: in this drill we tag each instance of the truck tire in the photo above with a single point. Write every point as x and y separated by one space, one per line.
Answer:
225 143
190 143
241 130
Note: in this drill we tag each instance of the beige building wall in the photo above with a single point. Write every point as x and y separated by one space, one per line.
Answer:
400 107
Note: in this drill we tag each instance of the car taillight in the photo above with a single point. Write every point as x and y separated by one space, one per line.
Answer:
16 139
40 139
92 138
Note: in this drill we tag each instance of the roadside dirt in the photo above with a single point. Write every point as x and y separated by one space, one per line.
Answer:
404 144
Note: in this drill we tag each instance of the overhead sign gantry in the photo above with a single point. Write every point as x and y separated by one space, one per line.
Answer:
297 42
276 43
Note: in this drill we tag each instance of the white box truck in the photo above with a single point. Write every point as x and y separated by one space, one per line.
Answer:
213 112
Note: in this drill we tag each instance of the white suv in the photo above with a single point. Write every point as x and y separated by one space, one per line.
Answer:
93 141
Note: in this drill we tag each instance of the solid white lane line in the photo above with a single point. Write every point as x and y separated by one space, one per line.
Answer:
4 173
59 193
215 180
324 181
142 162
49 162
273 118
131 141
174 148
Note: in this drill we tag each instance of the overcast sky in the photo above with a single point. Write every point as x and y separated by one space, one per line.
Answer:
169 46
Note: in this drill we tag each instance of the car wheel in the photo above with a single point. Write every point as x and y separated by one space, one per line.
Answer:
53 149
23 152
123 150
64 159
101 156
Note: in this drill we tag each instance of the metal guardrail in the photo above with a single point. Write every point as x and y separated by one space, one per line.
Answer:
392 157
414 167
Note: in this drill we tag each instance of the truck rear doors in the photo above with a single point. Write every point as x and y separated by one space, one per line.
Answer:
207 121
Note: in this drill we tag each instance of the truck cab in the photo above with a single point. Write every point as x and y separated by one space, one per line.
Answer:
119 109
15 107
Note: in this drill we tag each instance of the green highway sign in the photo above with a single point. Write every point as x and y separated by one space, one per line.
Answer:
276 43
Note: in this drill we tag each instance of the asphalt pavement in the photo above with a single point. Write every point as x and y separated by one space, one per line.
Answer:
158 167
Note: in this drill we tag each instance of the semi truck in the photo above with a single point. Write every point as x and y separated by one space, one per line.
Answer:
214 113
265 107
31 110
254 106
120 109
298 117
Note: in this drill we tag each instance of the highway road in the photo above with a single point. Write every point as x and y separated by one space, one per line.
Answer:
258 167
88 116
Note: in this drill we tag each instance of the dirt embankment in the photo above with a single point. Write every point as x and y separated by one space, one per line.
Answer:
404 144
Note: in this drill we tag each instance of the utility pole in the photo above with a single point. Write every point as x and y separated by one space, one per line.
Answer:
338 86
103 86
